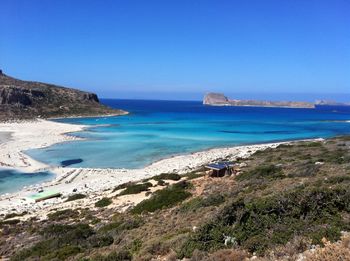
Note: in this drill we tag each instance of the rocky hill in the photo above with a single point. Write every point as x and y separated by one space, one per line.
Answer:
215 99
218 99
26 100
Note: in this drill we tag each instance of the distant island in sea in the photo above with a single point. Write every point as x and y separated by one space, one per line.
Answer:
28 100
219 99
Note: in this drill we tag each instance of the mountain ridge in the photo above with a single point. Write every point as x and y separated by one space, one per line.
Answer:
21 99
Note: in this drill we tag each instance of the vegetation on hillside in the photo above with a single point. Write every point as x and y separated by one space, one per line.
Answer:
283 203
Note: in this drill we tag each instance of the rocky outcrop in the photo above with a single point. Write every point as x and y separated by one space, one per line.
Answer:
25 100
13 95
215 99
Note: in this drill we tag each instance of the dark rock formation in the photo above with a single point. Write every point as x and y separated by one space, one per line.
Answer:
26 100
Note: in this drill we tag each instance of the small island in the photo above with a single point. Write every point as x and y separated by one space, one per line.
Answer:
219 99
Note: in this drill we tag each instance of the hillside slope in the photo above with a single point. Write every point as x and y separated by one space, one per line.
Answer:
26 100
283 203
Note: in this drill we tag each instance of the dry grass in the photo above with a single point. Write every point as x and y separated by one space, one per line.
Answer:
338 251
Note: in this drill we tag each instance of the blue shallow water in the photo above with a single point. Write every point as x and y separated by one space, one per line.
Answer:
157 129
11 180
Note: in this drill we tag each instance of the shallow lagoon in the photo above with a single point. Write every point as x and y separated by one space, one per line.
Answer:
11 180
158 129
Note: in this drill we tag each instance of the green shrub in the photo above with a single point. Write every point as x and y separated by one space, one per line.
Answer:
167 176
312 144
100 240
10 222
122 186
196 203
161 182
307 169
121 225
68 233
135 246
123 255
103 202
60 241
136 188
338 179
63 214
75 197
262 223
265 171
164 198
12 215
62 253
338 156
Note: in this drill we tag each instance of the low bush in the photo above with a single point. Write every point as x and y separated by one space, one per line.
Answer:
136 188
60 241
63 214
9 222
12 215
227 255
164 198
100 240
161 183
62 253
200 202
265 171
103 202
307 169
167 176
123 255
68 233
75 197
262 223
121 225
338 179
122 186
312 144
338 156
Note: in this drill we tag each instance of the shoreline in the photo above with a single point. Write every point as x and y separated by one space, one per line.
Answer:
122 113
34 134
95 182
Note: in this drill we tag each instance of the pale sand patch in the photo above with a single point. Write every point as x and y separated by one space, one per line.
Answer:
30 135
4 136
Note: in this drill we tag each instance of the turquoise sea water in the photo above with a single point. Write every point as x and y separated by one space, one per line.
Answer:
158 129
11 180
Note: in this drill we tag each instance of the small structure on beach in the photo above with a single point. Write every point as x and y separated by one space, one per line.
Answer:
44 195
221 169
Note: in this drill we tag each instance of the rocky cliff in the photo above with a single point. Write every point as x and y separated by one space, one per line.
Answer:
26 100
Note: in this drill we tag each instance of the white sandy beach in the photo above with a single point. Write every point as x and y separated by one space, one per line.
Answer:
31 135
94 182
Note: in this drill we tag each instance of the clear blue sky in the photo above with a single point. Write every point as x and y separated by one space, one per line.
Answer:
176 49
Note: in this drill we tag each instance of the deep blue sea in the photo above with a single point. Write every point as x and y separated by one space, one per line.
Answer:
158 129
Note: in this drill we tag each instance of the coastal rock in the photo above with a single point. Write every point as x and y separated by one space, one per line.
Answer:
219 99
215 99
26 100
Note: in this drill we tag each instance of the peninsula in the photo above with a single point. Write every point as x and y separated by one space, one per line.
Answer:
218 99
29 100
